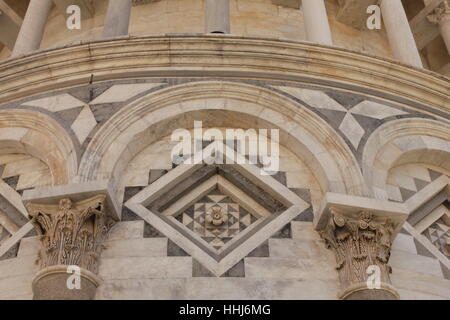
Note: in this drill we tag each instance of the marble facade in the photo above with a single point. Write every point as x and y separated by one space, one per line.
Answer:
87 176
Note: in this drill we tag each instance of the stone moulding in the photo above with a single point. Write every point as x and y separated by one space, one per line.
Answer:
203 55
45 139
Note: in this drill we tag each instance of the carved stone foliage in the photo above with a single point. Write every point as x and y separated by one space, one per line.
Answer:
72 233
443 10
359 242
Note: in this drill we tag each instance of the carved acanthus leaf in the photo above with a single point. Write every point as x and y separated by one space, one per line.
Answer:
359 243
72 233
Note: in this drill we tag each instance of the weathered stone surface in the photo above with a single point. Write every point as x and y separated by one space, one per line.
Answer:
146 267
416 263
217 289
18 266
282 268
304 231
300 249
148 247
127 230
29 247
15 286
416 281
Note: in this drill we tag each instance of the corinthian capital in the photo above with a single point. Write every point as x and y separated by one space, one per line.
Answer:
441 12
361 244
71 233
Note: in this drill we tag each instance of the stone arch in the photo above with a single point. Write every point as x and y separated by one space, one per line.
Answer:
404 141
34 133
159 113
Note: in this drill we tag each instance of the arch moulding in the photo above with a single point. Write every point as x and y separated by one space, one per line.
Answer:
404 141
34 133
156 115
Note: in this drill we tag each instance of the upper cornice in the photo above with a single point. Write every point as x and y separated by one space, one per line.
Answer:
227 56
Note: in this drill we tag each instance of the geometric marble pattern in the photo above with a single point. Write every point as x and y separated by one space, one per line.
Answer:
84 124
347 123
236 218
352 129
82 116
123 92
22 172
188 194
406 180
56 103
439 235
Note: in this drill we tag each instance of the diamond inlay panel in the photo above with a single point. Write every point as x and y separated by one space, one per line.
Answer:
208 212
216 218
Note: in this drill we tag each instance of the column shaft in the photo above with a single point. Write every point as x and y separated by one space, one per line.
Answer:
316 22
217 15
399 33
33 26
117 18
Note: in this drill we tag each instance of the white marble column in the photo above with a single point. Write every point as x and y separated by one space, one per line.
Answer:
441 17
399 33
316 22
33 26
217 15
117 18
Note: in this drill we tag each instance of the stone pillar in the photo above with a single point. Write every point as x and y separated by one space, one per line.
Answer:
441 17
72 236
217 15
33 26
399 33
361 244
316 22
117 18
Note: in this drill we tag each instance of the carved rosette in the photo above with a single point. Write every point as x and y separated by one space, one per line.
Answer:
441 12
359 242
72 233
